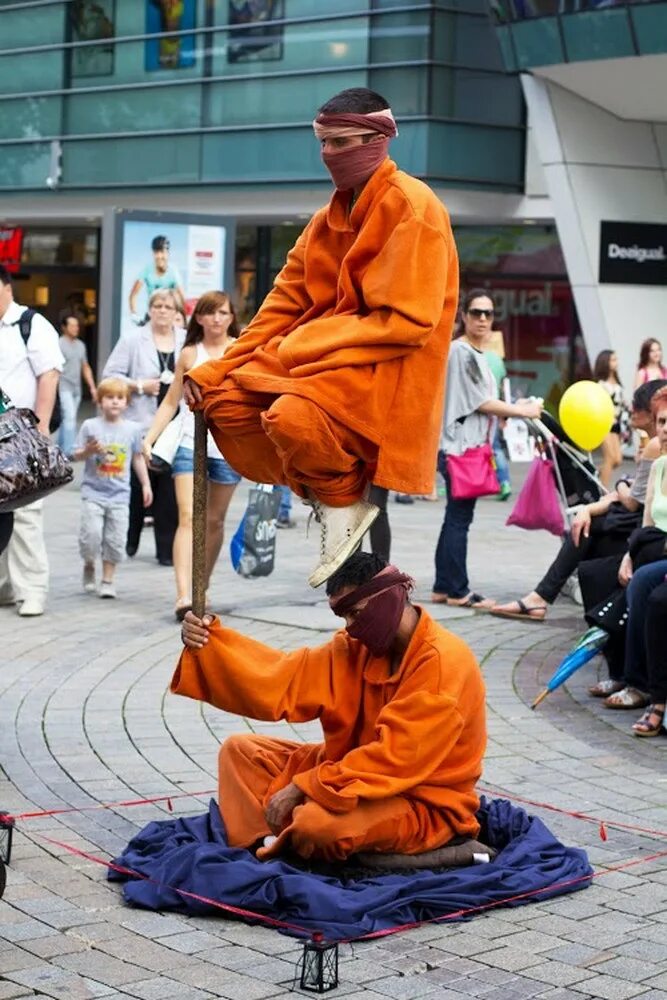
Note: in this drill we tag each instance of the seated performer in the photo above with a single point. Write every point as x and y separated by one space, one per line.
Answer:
401 703
337 382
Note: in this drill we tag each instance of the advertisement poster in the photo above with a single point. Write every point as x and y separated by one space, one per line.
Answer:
177 52
90 20
187 258
255 37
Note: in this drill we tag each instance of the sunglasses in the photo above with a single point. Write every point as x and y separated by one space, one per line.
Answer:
479 313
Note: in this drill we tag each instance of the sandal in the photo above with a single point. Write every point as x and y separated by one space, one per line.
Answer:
535 614
472 600
629 697
644 726
604 688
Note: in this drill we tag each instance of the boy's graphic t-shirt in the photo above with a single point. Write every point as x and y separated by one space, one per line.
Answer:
106 476
154 280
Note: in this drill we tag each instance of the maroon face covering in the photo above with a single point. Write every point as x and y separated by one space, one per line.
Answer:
376 625
352 166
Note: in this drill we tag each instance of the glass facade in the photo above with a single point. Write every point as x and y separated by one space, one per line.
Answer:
546 32
112 93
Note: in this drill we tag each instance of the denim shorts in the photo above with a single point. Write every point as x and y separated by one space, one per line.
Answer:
218 470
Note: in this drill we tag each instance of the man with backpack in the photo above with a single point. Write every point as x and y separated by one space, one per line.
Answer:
30 366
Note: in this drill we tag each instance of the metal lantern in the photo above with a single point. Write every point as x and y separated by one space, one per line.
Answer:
319 965
6 831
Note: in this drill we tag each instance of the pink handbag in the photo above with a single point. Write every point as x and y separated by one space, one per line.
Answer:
537 507
473 474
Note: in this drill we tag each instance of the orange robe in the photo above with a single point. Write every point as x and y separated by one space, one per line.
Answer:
401 755
358 322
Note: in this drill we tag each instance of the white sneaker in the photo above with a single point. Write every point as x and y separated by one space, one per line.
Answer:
572 589
89 578
107 589
342 529
31 607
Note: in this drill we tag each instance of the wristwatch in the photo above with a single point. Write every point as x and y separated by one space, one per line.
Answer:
140 388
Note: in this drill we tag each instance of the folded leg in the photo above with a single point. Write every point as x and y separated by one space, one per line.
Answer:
289 440
250 770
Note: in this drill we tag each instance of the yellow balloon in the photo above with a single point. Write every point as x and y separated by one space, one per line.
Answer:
586 414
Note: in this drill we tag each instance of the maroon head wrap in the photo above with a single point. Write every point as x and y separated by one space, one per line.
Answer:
353 165
377 623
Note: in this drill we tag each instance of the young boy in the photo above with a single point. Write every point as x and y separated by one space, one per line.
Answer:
108 443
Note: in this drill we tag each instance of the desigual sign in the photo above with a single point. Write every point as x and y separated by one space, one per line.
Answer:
633 253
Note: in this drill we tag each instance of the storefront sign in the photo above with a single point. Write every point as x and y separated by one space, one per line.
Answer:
187 255
11 243
633 253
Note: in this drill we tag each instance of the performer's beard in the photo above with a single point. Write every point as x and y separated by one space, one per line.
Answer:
376 625
352 166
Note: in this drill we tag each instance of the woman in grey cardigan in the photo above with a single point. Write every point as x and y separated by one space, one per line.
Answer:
146 359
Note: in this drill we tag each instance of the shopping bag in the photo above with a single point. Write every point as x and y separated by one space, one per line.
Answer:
537 507
253 547
473 474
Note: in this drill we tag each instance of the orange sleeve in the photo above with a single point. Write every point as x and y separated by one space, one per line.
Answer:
241 675
285 303
414 734
403 288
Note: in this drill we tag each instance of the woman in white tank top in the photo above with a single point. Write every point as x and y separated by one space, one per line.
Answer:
211 330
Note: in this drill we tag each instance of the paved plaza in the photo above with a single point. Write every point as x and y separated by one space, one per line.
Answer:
85 718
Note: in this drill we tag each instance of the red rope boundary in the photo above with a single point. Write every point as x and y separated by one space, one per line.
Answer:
126 803
275 922
11 819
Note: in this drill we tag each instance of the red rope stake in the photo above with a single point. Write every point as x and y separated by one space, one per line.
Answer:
603 831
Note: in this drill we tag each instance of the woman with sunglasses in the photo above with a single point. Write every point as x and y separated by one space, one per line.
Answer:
471 406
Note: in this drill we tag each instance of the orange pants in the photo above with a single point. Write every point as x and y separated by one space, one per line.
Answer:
253 768
289 439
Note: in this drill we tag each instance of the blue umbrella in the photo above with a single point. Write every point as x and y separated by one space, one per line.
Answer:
590 643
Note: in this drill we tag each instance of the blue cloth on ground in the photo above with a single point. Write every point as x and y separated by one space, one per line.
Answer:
191 853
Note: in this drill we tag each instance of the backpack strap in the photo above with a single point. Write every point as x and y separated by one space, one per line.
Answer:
24 322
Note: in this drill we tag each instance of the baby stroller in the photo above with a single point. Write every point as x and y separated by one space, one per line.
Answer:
575 477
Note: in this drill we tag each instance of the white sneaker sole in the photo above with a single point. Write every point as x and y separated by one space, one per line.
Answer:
322 573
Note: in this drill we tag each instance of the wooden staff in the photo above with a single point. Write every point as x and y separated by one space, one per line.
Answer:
199 496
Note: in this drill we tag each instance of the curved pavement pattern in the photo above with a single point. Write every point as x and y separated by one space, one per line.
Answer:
86 719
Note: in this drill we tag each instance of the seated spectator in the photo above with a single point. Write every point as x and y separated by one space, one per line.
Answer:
642 582
655 629
599 529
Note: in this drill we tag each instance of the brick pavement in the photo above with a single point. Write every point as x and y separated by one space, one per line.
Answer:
86 719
